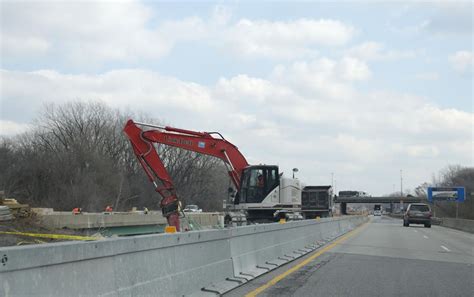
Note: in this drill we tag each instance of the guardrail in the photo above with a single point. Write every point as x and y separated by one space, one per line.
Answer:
191 263
459 224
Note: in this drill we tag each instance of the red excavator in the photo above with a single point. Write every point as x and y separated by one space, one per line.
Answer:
261 191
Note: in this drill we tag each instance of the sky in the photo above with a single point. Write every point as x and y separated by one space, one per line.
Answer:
352 90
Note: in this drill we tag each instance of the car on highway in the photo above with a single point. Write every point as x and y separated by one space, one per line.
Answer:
377 210
192 208
417 213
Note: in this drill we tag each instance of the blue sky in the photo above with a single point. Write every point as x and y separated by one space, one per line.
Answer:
362 89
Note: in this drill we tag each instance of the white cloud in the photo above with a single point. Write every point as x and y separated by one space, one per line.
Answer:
422 150
462 61
9 128
354 69
427 76
90 33
307 114
133 88
323 77
451 18
440 18
242 88
376 51
286 39
221 15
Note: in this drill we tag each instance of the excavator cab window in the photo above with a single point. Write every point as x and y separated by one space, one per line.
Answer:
257 183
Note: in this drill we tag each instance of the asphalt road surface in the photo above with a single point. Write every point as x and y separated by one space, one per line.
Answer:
380 258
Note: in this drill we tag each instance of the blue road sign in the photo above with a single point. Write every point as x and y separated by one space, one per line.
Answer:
446 193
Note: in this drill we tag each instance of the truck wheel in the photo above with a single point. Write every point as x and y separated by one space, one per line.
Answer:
428 225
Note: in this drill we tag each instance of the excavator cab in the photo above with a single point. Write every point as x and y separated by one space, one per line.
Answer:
257 182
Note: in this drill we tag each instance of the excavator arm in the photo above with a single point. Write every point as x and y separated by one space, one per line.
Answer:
200 142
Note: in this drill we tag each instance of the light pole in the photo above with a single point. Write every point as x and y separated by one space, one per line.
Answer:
401 190
294 170
332 180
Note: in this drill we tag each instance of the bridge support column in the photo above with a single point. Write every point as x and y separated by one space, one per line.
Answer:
343 208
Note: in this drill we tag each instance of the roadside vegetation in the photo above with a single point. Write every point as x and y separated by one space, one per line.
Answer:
450 176
453 176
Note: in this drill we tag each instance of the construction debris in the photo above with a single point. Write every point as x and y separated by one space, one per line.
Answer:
5 214
17 210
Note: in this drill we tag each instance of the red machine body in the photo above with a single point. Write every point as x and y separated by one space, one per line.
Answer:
200 142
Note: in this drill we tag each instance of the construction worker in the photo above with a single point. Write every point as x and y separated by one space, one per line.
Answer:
260 181
76 210
260 188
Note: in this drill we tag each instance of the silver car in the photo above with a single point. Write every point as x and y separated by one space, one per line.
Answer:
192 208
417 213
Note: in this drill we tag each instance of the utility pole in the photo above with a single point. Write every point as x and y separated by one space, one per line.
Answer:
401 190
332 180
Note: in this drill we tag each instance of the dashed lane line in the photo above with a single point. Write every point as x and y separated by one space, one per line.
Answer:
445 248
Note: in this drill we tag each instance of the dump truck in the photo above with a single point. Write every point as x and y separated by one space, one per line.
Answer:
316 201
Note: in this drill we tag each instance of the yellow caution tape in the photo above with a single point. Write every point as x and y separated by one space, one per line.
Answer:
52 236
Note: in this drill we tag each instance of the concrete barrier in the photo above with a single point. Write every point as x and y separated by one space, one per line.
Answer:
258 249
151 265
192 263
459 224
59 220
208 219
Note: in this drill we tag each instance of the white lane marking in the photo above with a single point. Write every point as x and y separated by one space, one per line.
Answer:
425 236
445 248
415 231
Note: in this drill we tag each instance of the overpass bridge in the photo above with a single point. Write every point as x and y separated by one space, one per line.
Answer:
344 200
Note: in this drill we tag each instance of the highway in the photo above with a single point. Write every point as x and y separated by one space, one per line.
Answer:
380 258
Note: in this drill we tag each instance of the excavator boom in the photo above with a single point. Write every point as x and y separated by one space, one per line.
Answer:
200 142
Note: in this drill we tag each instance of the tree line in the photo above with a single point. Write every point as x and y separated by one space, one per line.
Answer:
76 155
